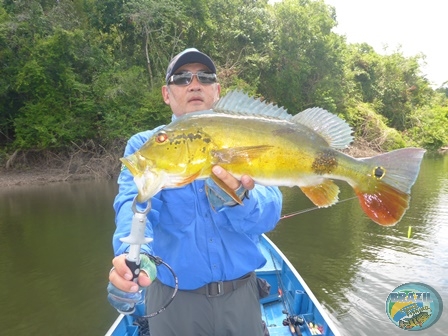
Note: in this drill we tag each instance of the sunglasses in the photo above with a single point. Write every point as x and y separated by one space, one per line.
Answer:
185 78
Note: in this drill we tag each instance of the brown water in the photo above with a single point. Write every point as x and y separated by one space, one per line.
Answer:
55 252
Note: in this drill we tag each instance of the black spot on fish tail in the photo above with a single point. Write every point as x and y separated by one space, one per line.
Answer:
325 162
379 172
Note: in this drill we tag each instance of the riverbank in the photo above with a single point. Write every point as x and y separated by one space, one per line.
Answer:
40 176
88 162
49 168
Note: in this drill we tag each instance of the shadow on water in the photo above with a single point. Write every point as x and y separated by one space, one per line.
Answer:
352 264
55 254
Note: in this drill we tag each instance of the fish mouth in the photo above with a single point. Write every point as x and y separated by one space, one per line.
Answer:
148 184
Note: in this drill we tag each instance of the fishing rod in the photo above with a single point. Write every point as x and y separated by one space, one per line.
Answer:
313 208
293 321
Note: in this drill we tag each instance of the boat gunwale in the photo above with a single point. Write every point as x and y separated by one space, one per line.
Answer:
331 325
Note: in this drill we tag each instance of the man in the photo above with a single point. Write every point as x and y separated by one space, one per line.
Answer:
210 242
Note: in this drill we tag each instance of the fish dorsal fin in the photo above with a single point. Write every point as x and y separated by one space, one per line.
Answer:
336 132
237 102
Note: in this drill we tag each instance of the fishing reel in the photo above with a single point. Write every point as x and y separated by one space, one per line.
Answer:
294 320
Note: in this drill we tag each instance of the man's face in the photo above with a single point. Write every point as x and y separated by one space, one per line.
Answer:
193 97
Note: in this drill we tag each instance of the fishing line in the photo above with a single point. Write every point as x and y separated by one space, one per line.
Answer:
158 261
313 208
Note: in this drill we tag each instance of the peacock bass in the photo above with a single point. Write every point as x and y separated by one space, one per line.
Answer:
246 136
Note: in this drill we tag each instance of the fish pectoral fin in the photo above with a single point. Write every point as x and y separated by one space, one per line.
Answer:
226 189
239 154
188 179
322 195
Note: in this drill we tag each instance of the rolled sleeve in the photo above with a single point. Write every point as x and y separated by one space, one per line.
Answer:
259 213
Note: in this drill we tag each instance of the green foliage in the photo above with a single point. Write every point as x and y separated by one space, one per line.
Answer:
242 34
73 71
157 27
59 108
126 105
430 128
391 83
443 89
306 66
372 128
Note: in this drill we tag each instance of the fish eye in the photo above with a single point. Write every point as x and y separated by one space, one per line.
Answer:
161 137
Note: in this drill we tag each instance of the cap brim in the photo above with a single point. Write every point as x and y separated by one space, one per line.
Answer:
188 57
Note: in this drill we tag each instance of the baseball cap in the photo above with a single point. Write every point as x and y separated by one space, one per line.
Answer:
190 55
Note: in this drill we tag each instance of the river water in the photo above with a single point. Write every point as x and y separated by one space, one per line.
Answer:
55 254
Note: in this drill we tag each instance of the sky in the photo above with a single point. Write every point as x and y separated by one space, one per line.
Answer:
412 25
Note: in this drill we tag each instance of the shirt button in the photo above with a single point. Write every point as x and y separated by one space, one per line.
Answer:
200 190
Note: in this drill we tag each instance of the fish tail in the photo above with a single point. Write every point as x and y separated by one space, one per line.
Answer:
385 196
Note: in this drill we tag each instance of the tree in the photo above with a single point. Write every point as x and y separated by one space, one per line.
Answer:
307 67
74 70
59 107
161 26
392 83
430 127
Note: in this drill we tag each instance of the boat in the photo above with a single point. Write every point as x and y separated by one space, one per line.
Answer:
289 309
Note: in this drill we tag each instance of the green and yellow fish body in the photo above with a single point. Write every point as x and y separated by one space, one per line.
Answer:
248 137
416 320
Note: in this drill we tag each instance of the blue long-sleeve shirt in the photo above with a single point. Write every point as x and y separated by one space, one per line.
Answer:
201 244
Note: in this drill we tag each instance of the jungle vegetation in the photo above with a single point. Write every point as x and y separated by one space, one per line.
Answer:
83 74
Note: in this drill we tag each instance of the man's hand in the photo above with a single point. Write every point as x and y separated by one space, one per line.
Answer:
123 293
247 182
216 194
121 275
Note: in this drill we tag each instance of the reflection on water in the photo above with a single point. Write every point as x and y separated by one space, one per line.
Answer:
55 253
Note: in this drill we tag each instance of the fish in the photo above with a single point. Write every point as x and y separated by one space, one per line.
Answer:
248 136
416 320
